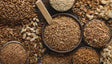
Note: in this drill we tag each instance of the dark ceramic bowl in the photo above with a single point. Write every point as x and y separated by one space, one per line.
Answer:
26 62
105 42
68 15
88 48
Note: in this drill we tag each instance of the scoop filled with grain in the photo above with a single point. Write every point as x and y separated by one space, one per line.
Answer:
64 34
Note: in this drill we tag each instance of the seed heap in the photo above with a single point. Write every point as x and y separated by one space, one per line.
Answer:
63 34
13 53
105 10
31 31
31 35
8 33
93 9
96 33
34 48
16 20
85 56
106 54
17 11
86 10
54 58
61 5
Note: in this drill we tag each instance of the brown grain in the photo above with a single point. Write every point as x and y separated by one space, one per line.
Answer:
54 58
63 34
85 56
17 11
13 53
96 33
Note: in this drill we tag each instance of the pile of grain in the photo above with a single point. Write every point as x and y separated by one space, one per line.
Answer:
61 5
96 33
16 11
106 54
13 53
63 34
85 56
54 58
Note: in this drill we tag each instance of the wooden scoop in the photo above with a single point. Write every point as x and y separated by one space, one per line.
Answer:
44 11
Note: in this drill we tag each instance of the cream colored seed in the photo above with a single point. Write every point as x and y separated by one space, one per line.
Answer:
24 35
28 38
37 20
35 45
37 31
23 30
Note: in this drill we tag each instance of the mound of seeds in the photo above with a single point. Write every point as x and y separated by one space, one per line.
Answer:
21 33
85 56
31 38
106 54
8 33
54 58
63 34
96 33
17 10
13 53
93 9
61 5
86 10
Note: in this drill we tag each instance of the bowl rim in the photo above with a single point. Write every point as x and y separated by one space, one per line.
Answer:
67 15
109 39
17 42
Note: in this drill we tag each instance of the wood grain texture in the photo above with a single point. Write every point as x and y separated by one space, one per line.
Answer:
44 11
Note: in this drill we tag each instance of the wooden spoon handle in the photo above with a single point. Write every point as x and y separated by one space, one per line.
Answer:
44 11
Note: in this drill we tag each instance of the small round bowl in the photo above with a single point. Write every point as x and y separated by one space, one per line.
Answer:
26 62
63 10
88 48
67 15
105 42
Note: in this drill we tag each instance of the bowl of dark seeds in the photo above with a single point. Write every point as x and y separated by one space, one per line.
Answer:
86 55
64 34
96 33
13 52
